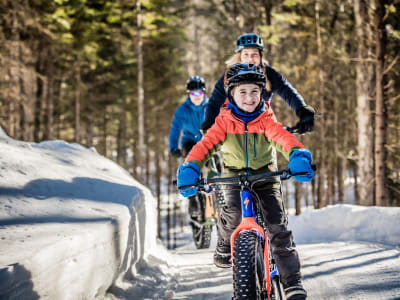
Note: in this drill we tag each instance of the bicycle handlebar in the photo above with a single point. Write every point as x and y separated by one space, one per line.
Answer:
243 179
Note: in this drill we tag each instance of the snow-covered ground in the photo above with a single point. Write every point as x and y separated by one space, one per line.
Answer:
71 222
74 225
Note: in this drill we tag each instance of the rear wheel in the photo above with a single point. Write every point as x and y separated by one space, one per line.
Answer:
277 289
248 267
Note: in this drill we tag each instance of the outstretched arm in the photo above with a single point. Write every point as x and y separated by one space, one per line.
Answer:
291 96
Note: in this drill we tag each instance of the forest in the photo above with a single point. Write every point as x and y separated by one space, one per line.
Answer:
110 74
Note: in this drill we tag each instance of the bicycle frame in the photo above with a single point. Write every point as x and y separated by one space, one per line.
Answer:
249 223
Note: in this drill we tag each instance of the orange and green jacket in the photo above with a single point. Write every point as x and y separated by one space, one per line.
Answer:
243 145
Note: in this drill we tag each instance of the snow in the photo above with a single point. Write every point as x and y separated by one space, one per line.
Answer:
75 225
348 223
71 221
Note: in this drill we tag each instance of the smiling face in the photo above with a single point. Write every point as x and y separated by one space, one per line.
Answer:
247 96
250 55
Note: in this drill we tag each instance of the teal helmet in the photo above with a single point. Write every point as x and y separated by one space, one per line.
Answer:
249 40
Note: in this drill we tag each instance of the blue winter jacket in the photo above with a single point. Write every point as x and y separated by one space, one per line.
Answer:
187 118
279 85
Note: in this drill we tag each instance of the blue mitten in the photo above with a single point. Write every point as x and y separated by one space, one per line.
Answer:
188 174
299 162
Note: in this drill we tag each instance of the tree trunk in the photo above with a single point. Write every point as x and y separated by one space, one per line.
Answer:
77 101
306 195
285 194
49 126
121 135
297 197
11 118
158 155
140 145
90 121
330 179
381 192
170 195
39 107
356 189
365 159
322 152
13 93
340 172
268 4
175 221
105 133
314 192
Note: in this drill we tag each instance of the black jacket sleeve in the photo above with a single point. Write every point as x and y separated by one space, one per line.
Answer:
284 89
218 97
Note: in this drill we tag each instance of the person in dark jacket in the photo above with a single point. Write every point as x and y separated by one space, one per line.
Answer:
249 49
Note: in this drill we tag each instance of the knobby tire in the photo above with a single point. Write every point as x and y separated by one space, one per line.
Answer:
248 269
202 236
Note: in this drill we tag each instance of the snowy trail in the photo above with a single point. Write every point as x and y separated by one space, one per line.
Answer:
336 270
343 270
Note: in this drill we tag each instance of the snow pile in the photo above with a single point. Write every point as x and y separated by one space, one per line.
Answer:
71 222
348 223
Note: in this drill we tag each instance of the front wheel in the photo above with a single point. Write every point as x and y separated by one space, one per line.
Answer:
248 267
202 236
201 231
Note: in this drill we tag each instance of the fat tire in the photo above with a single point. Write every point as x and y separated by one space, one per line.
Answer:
202 236
248 267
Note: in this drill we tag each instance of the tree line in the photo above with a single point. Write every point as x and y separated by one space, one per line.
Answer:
110 74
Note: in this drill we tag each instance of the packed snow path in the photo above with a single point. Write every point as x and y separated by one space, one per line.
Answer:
333 270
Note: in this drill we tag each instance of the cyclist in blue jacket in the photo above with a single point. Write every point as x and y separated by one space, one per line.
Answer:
249 49
188 117
186 127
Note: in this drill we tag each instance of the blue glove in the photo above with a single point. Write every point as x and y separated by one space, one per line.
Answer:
299 162
188 174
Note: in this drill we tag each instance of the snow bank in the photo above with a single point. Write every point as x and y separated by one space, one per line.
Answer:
348 223
72 222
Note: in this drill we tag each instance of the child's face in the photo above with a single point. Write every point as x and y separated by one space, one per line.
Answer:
247 96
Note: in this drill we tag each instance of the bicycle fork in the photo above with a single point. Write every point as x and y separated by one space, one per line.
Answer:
248 223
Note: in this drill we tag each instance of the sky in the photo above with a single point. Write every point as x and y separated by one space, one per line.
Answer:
75 225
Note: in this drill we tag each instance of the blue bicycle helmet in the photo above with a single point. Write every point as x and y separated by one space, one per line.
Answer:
195 83
249 40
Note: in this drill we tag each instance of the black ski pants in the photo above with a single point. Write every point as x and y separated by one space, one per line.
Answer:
273 213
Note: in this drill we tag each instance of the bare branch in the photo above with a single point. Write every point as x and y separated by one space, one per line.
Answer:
391 65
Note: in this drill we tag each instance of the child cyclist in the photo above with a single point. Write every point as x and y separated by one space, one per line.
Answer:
246 132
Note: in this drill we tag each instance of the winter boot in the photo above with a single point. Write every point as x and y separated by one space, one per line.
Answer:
295 291
222 255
